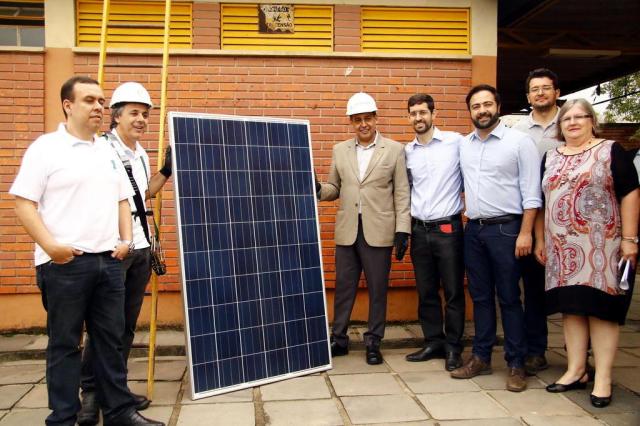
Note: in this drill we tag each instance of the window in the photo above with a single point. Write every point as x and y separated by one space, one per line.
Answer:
22 23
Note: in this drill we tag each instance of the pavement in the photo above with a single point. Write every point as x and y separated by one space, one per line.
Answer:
396 392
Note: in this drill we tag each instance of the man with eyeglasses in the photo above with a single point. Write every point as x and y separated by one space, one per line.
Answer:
542 92
369 175
501 171
433 163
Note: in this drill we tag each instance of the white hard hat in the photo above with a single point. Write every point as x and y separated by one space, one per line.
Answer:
131 92
361 102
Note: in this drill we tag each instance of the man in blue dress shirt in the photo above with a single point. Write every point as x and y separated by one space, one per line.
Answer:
433 162
501 171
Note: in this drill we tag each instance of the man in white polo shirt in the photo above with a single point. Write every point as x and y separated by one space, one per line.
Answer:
71 198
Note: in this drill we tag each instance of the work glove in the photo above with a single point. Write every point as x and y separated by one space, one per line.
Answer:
401 242
166 169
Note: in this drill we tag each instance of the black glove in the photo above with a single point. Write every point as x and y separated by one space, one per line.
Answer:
318 185
166 167
401 242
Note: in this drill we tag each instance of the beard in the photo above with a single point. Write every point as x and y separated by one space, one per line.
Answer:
492 120
427 127
544 107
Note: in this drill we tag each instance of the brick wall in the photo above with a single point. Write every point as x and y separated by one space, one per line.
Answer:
21 121
306 88
621 133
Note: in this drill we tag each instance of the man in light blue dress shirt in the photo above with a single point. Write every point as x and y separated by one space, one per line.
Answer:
433 162
501 170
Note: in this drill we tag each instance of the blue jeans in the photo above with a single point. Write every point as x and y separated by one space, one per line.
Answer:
89 289
535 314
489 254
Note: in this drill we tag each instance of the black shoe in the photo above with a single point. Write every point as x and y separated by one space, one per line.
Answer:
338 350
600 401
452 361
426 353
559 387
142 403
534 364
89 413
374 356
132 418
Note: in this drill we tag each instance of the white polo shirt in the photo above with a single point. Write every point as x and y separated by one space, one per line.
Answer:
140 169
77 185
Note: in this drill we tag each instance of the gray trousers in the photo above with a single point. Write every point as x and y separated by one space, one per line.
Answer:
350 261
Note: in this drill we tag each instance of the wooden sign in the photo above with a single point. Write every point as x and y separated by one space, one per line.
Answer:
275 18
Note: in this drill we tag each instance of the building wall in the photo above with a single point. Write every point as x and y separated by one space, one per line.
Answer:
307 86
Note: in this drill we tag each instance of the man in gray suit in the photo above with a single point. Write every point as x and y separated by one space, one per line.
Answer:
369 175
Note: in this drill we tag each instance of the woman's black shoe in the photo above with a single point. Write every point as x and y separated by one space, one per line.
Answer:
600 401
559 387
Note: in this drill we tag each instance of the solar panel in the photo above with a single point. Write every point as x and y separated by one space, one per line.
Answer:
251 266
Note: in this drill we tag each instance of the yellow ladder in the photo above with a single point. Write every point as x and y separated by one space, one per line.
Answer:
158 201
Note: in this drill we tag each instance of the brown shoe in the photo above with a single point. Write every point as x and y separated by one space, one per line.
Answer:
516 382
474 367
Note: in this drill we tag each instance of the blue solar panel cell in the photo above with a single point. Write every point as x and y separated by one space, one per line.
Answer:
249 246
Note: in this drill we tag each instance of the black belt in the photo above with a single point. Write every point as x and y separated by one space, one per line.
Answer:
496 220
102 253
436 222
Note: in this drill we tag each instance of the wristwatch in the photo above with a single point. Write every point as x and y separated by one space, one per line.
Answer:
631 239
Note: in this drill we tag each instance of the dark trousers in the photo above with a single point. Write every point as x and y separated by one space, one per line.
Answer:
489 254
437 256
136 269
350 261
535 315
88 290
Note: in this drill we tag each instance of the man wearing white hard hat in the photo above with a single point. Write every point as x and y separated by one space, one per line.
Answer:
369 176
130 106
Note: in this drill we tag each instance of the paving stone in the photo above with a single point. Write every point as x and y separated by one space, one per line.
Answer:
141 338
551 374
382 409
355 334
36 398
244 395
399 364
436 381
15 342
24 417
623 401
504 421
415 330
3 413
632 351
397 333
314 412
235 414
39 343
164 370
365 384
627 377
170 338
461 406
625 359
10 394
536 401
498 380
17 374
553 327
623 419
355 363
309 387
555 340
164 393
540 420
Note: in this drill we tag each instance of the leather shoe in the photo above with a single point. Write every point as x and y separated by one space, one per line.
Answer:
474 367
452 361
338 350
426 353
517 381
374 356
535 363
89 413
142 403
559 387
132 418
600 401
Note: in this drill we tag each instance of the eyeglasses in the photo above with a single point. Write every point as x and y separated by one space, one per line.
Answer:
579 117
541 89
421 113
